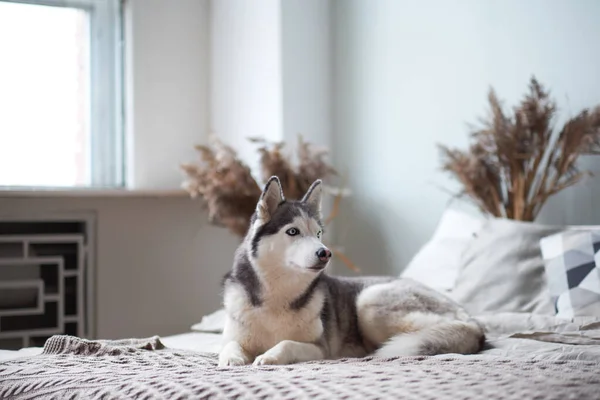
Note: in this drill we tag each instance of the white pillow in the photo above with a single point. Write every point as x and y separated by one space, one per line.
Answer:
502 270
437 263
211 323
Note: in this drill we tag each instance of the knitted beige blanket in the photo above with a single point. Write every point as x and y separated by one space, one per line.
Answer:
75 368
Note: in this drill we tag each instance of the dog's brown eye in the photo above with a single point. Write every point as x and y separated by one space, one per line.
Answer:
292 231
319 234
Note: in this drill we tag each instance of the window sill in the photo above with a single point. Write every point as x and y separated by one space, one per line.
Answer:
36 192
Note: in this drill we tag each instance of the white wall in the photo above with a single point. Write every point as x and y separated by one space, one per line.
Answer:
167 72
412 74
270 72
307 70
245 75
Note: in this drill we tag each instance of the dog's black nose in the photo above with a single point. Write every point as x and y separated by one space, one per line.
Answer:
323 254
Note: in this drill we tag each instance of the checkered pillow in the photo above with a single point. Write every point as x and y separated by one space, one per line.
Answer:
572 265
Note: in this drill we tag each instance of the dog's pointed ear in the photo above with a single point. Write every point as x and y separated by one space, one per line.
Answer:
270 198
313 196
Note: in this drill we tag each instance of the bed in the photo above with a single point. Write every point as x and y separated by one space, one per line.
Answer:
527 356
540 343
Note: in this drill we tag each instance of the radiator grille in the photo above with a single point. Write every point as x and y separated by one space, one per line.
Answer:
45 280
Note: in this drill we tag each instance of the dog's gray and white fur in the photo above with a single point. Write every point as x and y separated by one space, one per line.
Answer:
282 308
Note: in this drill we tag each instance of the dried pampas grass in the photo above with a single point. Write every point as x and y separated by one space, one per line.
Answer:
230 192
295 179
225 184
516 162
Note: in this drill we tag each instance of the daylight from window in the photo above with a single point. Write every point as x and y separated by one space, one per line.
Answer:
44 96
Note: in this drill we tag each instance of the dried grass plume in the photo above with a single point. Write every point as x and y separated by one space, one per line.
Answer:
516 162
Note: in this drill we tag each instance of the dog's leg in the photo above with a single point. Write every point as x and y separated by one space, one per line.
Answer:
289 352
233 354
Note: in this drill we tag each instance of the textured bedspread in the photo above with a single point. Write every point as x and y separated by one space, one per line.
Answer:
75 368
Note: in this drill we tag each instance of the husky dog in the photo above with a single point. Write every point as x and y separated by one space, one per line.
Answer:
282 308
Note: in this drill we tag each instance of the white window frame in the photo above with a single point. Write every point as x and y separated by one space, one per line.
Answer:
106 157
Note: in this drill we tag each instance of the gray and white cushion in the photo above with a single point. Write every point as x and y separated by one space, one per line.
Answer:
502 269
572 266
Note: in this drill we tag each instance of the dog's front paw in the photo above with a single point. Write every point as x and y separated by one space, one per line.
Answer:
231 361
233 354
267 359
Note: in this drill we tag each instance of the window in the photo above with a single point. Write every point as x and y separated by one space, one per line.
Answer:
61 93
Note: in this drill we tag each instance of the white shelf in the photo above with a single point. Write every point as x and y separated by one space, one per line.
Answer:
19 192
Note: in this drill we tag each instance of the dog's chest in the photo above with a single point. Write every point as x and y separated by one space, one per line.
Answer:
258 329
